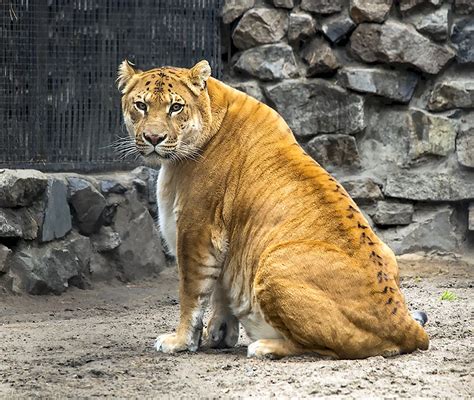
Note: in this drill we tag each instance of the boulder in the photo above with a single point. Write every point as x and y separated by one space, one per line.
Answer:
393 84
391 212
260 26
322 6
4 253
21 187
384 144
284 3
87 205
51 267
452 93
338 27
140 252
57 215
333 151
430 134
464 7
430 185
107 186
432 229
394 42
18 223
105 240
233 9
252 88
465 146
362 189
369 10
407 5
320 58
317 106
301 26
436 24
463 39
268 62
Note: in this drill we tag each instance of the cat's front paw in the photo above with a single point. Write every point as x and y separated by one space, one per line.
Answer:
172 343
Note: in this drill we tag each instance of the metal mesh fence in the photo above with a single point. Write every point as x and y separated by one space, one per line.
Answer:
58 61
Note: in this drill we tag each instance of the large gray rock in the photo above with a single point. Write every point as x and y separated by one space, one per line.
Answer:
334 151
465 146
268 62
51 267
57 215
140 252
319 57
436 24
322 6
18 223
87 205
430 134
430 186
394 42
452 93
301 26
252 88
463 39
431 229
316 106
284 3
21 187
392 84
384 144
260 26
362 189
233 9
105 240
338 27
369 10
391 212
407 5
108 186
4 253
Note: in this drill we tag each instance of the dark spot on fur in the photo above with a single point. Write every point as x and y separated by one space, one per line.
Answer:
146 84
385 289
392 290
394 311
350 216
170 85
389 301
361 226
379 276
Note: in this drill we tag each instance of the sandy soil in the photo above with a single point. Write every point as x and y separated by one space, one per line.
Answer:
98 343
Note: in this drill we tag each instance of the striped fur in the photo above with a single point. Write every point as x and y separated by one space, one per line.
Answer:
263 232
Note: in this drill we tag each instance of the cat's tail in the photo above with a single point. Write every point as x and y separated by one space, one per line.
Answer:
420 317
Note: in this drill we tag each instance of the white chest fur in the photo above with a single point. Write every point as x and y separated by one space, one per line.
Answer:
166 197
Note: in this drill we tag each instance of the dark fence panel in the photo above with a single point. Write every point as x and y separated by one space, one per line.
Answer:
59 105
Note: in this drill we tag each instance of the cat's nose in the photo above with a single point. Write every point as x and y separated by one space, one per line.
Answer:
154 138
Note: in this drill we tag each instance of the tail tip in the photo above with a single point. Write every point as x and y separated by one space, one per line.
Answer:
420 317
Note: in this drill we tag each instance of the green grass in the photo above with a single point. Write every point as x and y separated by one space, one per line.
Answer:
449 296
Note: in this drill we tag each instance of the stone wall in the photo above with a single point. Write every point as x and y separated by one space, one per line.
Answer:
381 93
59 230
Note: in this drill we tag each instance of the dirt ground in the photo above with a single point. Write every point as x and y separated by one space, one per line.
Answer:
98 343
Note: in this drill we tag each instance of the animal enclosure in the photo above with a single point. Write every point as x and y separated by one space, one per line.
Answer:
59 103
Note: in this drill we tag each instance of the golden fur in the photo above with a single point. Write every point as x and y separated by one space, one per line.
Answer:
260 229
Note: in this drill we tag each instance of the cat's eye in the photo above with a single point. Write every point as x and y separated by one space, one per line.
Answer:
140 105
175 107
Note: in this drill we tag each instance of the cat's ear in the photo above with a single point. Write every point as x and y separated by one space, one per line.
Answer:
126 72
198 76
